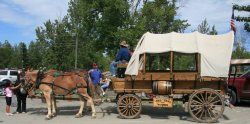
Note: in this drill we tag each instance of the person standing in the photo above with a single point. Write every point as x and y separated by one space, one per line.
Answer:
95 75
123 56
8 96
21 94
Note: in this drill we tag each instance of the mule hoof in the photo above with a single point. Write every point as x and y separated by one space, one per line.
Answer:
48 117
78 115
54 115
93 116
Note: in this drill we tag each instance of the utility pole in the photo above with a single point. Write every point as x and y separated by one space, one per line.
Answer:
76 51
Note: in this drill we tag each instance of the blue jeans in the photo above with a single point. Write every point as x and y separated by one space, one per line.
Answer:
113 67
105 86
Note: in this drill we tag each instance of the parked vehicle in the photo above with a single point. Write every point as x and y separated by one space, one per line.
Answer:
10 75
239 80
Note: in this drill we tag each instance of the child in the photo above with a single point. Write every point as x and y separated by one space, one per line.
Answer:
9 94
105 84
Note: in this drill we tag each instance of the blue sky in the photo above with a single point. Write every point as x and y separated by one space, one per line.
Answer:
19 18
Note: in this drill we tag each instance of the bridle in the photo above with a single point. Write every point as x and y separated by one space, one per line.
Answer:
28 85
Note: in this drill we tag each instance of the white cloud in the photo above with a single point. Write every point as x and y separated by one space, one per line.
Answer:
44 9
7 15
32 12
217 12
23 16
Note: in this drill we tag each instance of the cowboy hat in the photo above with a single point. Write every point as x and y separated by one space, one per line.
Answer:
123 43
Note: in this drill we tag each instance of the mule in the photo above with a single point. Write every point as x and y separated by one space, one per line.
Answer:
62 84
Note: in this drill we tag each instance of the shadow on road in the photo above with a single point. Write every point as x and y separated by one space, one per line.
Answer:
109 109
243 103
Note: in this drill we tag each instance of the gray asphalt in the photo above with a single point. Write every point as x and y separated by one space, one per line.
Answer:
107 114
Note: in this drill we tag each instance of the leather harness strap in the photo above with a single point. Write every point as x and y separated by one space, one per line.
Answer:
52 84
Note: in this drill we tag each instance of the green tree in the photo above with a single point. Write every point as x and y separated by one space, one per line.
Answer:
15 59
213 31
35 55
23 54
98 27
6 51
159 17
243 19
240 51
56 45
204 28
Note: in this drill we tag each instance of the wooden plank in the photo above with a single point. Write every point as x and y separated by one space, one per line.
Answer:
198 64
171 61
188 91
166 76
133 90
144 64
189 76
122 65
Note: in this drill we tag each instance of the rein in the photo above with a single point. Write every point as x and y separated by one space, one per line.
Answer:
68 90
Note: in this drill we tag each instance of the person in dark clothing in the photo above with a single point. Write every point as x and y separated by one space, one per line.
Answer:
21 94
123 56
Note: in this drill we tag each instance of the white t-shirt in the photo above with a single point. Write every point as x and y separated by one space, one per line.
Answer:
9 92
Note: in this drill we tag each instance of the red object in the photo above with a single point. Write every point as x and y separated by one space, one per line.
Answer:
233 27
94 65
239 82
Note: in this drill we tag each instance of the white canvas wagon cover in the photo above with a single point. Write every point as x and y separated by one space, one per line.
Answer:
215 50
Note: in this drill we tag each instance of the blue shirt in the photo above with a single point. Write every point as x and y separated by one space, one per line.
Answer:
123 54
95 75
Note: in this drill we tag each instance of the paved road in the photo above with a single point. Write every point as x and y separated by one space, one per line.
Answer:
107 114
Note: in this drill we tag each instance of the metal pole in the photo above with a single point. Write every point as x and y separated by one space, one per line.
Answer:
76 51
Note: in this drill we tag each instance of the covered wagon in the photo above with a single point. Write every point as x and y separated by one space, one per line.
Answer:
194 66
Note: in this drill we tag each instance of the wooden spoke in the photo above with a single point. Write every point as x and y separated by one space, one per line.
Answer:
206 105
194 101
218 101
201 114
203 100
195 105
217 110
213 113
122 106
129 106
124 111
209 113
212 99
198 99
197 108
205 115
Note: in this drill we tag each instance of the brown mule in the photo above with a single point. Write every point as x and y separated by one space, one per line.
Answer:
61 84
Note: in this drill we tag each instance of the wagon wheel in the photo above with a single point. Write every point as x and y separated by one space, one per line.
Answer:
206 105
129 106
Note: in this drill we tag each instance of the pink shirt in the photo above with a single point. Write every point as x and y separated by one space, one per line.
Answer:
9 92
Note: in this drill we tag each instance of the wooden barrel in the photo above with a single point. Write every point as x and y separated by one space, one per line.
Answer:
162 87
